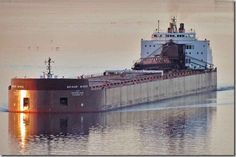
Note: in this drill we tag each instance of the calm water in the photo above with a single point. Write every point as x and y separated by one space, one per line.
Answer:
199 124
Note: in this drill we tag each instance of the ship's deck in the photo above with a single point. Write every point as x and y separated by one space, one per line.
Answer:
115 80
97 82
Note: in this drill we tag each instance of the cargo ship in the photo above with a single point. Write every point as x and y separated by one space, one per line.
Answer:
172 64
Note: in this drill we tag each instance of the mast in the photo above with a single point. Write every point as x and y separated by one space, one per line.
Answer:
49 67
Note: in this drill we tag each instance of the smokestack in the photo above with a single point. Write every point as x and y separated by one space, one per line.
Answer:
181 28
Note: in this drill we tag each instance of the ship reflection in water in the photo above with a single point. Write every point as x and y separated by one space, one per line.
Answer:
128 131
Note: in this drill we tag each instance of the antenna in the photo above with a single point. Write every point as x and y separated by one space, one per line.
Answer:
158 27
49 67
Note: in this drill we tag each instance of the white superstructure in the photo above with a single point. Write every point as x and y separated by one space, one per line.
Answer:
198 53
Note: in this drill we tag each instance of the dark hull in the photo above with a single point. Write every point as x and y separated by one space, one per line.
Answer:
46 95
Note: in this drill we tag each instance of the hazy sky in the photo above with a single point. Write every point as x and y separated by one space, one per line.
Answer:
87 36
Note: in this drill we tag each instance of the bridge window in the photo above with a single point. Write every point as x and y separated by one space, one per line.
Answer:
150 45
202 53
160 35
145 45
153 45
197 52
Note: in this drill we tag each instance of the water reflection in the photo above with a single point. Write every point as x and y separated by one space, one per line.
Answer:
23 122
165 131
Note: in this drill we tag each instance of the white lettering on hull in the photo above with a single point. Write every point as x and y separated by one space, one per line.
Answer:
77 93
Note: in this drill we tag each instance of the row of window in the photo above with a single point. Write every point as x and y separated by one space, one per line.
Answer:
180 35
191 53
185 53
189 46
192 46
150 45
171 35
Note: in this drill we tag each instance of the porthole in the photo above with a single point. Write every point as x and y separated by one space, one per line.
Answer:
64 101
